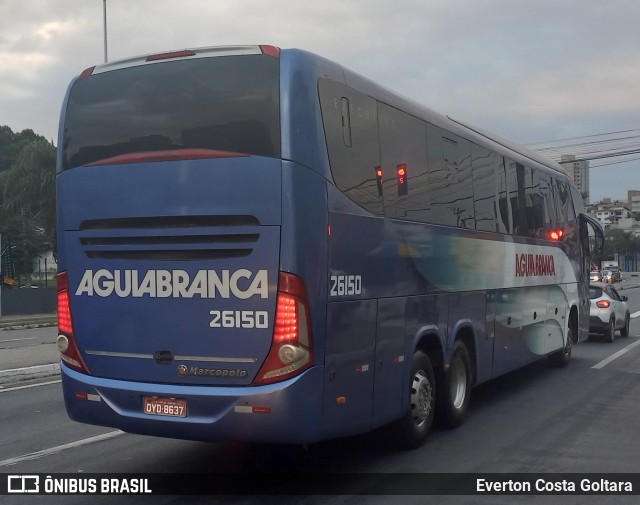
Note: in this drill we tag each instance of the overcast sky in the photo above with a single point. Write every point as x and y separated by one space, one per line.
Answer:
528 70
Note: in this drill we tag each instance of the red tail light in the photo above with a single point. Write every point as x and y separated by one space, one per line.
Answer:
69 352
603 304
555 235
270 51
292 345
171 55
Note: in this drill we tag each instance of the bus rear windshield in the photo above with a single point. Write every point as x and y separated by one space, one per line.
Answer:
224 103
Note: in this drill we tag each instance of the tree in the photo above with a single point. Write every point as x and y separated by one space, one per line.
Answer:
620 242
28 199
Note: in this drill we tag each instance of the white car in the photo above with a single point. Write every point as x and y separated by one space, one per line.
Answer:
595 276
609 311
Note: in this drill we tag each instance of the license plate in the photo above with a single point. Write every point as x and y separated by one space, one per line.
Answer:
174 407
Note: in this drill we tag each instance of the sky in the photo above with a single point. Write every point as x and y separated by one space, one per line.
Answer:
532 71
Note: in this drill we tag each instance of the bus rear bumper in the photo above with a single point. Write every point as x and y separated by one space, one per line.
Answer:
285 412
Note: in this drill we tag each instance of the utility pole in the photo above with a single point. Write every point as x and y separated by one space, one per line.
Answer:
104 16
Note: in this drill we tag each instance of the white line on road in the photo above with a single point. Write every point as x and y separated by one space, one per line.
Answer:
16 388
635 314
18 339
616 355
60 448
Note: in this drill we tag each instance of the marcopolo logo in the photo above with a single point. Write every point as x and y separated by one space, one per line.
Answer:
240 283
184 371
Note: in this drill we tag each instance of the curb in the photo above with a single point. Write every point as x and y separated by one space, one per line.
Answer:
29 372
27 325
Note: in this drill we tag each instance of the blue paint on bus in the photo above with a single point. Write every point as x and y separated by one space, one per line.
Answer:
259 244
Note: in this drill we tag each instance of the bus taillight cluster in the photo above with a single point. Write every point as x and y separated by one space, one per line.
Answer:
291 347
66 341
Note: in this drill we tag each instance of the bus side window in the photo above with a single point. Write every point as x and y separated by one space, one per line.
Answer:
451 182
351 130
486 190
404 164
504 213
515 186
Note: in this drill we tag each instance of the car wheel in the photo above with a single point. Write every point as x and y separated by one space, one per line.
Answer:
610 335
454 394
411 430
624 331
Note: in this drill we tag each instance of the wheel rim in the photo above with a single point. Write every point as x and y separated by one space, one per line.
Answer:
458 383
421 396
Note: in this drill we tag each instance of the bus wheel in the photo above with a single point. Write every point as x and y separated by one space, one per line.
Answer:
561 358
455 391
411 430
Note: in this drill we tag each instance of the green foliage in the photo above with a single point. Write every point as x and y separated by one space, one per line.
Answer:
27 195
620 242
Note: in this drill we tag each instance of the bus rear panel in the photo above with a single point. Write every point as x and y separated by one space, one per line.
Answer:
180 321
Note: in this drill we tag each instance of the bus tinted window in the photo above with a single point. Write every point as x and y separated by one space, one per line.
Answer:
226 103
450 179
403 146
485 173
351 128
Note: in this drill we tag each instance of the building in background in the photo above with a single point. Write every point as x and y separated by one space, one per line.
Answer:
578 171
633 200
609 213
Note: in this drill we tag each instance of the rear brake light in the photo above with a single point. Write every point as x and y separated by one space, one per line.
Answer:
170 55
292 345
555 235
69 352
603 304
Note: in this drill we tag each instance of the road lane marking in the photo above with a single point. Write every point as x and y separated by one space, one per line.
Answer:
616 355
635 314
16 388
20 339
60 448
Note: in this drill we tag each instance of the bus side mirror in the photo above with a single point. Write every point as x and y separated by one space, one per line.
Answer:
596 237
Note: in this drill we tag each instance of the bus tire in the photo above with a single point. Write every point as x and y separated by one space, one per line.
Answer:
561 358
454 393
411 430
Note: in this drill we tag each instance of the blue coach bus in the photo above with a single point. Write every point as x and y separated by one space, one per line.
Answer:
259 244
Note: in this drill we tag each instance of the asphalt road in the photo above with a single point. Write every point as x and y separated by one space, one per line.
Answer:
580 419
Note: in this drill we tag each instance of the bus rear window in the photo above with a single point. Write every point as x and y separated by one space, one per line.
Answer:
225 103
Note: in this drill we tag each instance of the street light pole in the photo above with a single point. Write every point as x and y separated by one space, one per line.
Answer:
104 16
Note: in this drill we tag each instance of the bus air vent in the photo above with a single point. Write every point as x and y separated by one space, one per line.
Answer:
175 238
